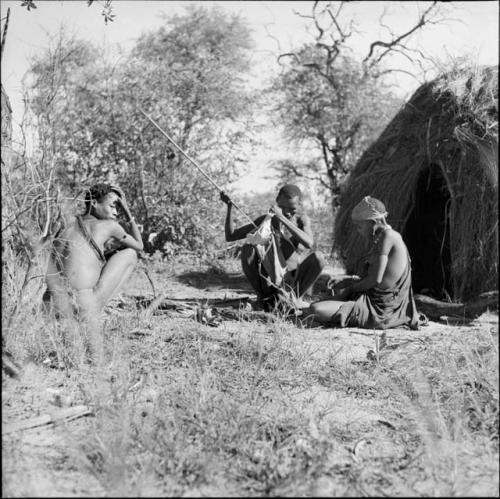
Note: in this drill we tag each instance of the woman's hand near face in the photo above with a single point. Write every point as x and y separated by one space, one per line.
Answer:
121 201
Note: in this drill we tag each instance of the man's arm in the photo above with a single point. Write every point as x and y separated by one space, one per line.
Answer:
231 233
305 237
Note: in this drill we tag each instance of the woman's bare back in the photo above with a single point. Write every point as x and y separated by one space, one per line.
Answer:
397 257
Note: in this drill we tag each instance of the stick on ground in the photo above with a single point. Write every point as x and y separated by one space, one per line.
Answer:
66 414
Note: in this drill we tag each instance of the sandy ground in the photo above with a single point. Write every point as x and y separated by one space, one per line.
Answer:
42 461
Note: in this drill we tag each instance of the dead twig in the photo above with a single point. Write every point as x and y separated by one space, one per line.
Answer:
67 414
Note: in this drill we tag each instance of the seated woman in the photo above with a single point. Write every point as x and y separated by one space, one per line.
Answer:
381 297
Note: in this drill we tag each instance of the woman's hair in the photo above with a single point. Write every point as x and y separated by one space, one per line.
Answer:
98 192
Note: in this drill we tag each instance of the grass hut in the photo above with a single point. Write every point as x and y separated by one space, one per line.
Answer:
435 167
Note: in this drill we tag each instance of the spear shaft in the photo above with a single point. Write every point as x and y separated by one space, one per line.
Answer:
172 141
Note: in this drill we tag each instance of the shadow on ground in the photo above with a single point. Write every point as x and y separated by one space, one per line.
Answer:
210 278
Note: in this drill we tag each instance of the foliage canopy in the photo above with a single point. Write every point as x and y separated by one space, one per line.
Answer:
190 76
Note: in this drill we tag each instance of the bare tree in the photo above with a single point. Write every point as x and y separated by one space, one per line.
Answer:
336 99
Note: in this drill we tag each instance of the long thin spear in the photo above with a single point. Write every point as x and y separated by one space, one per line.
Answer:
193 162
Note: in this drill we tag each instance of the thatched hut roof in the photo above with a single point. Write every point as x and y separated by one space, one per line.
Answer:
435 167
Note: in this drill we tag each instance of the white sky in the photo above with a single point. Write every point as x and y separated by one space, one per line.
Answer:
475 33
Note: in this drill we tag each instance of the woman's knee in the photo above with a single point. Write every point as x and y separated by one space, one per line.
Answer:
324 310
313 309
129 254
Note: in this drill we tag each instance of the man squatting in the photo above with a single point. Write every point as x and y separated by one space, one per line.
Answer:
294 239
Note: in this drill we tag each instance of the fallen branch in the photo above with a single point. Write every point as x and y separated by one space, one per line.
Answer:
163 303
232 302
247 315
67 414
435 309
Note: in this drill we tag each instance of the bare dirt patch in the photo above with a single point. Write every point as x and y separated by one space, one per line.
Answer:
260 408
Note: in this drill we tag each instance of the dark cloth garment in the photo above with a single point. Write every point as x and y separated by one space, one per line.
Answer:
272 263
306 272
283 264
89 239
287 243
299 279
381 308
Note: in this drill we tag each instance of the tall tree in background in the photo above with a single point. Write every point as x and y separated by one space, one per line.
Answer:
338 103
339 113
189 75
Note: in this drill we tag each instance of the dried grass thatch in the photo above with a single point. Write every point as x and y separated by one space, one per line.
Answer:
435 167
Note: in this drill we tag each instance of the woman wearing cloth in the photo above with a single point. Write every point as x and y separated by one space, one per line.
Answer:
380 297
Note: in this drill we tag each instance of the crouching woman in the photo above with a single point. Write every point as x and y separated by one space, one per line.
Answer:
78 272
381 296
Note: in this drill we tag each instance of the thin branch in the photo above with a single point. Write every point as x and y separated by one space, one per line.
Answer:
289 54
266 27
341 6
302 15
381 21
387 71
401 51
395 41
343 35
47 197
316 23
290 168
16 216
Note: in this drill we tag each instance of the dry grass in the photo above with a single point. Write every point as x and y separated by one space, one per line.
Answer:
257 409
